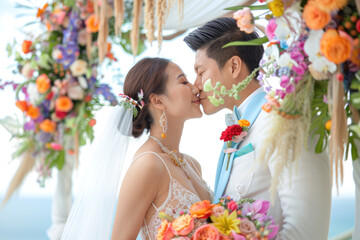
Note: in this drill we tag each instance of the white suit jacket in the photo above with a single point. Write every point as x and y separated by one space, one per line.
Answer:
302 207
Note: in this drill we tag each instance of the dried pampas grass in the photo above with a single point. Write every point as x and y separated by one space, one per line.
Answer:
339 130
287 135
25 167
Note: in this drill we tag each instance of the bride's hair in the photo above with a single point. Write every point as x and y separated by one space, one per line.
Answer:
149 74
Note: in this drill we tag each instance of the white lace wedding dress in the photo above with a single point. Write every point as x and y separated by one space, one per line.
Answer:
179 198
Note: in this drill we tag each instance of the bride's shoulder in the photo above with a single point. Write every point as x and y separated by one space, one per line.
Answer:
149 163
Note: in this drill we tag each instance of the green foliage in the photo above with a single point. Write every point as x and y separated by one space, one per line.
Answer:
257 7
319 116
254 42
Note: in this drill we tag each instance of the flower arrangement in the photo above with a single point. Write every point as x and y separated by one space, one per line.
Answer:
234 134
313 59
246 219
61 89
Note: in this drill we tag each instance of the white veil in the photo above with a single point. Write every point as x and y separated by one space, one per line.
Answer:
92 213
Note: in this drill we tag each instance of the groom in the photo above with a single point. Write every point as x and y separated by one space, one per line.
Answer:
302 202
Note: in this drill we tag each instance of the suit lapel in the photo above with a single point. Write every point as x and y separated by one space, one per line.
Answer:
251 112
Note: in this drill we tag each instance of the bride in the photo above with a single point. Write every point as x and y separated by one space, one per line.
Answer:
160 178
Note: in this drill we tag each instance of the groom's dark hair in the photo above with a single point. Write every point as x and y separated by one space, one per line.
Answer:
220 31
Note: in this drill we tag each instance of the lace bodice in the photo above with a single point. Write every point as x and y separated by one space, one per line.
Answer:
178 199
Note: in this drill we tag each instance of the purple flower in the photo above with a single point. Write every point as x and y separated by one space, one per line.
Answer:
284 81
274 230
29 126
290 88
298 79
260 76
44 137
280 93
297 56
300 69
39 119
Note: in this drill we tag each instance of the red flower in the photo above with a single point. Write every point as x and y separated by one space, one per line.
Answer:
26 46
60 114
230 132
92 122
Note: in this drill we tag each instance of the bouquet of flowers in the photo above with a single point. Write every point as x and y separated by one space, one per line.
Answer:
61 89
311 73
246 219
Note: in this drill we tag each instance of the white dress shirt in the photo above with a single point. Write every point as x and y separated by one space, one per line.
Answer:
303 201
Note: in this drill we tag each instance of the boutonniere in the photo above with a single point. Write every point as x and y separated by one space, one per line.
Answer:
234 133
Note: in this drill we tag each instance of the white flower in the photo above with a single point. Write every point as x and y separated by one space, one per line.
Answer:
27 71
56 53
286 61
82 81
78 68
82 37
319 63
282 31
34 95
272 51
76 92
289 25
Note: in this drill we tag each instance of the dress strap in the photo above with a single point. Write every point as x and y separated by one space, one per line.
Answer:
157 156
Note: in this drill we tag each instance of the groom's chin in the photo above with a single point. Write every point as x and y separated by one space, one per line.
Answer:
209 109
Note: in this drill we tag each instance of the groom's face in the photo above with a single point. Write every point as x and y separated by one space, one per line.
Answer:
207 68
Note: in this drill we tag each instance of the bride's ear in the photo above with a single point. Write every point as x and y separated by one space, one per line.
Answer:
157 101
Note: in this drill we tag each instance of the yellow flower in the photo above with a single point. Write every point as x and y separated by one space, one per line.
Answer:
226 223
244 123
328 125
277 8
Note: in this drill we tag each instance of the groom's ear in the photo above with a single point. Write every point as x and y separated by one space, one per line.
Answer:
157 101
235 65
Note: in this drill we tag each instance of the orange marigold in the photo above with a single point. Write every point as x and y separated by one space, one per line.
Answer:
92 24
48 126
330 5
335 47
314 17
43 83
33 112
26 46
63 104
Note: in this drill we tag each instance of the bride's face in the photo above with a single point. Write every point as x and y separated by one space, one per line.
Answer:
181 99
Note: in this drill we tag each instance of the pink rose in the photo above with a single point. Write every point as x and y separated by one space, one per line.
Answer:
232 206
208 232
245 20
270 29
247 227
238 236
274 230
218 211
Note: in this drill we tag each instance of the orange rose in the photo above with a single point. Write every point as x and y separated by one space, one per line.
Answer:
330 5
314 17
48 126
201 209
33 112
43 83
183 225
26 46
334 47
63 104
22 105
92 24
164 232
206 232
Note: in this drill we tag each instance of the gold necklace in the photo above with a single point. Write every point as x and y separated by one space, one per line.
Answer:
178 161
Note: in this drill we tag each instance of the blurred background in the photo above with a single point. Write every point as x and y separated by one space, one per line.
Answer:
27 215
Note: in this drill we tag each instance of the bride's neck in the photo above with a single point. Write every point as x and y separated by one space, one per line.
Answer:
172 136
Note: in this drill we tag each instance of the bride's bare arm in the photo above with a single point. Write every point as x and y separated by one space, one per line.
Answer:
138 190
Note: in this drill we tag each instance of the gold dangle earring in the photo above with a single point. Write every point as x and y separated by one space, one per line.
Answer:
163 124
